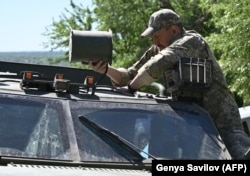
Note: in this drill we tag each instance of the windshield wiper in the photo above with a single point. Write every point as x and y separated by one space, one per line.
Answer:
116 139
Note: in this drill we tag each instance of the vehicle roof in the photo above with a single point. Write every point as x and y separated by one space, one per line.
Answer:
11 75
15 70
43 85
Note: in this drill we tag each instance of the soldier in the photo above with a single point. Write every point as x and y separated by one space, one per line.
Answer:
170 43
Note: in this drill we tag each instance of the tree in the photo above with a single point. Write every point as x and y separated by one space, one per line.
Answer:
231 42
126 19
224 23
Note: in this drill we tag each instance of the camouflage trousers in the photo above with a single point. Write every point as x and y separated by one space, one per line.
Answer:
221 105
237 142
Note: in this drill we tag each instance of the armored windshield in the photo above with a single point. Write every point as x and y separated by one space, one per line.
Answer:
49 128
158 130
32 128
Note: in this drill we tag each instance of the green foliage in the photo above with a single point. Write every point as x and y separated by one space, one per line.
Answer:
224 23
231 42
58 32
127 20
193 15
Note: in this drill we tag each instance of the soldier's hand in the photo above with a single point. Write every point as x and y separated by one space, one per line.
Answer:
98 67
124 90
127 90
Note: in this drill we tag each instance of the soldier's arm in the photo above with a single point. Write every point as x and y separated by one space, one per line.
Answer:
119 76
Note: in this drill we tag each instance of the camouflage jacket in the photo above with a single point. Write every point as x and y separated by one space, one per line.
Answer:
218 100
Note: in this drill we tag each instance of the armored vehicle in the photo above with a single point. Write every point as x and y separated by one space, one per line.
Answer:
69 121
245 118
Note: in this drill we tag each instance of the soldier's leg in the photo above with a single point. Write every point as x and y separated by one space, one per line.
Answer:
238 144
224 111
247 155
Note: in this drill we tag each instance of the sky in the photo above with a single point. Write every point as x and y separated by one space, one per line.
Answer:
22 22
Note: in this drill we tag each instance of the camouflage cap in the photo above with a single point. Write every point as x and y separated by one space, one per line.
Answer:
159 19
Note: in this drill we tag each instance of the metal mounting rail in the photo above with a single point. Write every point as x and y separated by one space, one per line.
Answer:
47 72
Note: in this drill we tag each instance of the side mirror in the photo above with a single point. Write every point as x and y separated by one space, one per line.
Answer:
90 45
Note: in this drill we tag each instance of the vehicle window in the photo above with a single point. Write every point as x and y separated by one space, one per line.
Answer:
155 129
31 128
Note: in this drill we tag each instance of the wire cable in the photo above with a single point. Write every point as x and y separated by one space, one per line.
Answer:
102 77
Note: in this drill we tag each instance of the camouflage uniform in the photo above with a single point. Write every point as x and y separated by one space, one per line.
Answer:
218 100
